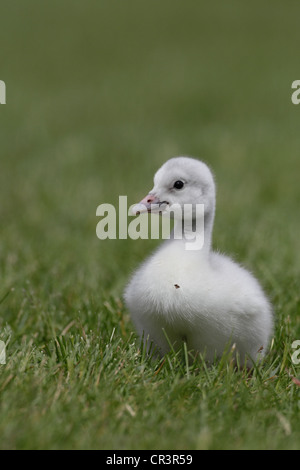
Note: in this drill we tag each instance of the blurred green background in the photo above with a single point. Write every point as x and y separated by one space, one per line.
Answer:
99 95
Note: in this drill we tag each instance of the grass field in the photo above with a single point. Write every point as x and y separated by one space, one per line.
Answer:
99 95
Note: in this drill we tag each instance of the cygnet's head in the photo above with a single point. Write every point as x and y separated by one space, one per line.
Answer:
181 180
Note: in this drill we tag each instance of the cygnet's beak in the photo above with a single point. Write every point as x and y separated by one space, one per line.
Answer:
150 203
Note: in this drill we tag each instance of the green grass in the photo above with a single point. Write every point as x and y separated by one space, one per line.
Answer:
99 95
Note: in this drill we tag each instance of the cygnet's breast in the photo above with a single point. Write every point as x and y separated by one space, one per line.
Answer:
166 284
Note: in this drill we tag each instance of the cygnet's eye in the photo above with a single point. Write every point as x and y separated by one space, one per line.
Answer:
178 184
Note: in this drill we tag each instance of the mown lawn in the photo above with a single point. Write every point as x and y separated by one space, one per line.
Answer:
99 95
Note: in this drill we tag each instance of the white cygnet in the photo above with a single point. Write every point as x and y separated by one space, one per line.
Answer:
197 296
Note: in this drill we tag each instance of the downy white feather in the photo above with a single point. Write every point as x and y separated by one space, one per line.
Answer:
201 297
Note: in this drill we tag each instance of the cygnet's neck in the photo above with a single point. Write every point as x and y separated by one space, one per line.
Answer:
189 233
